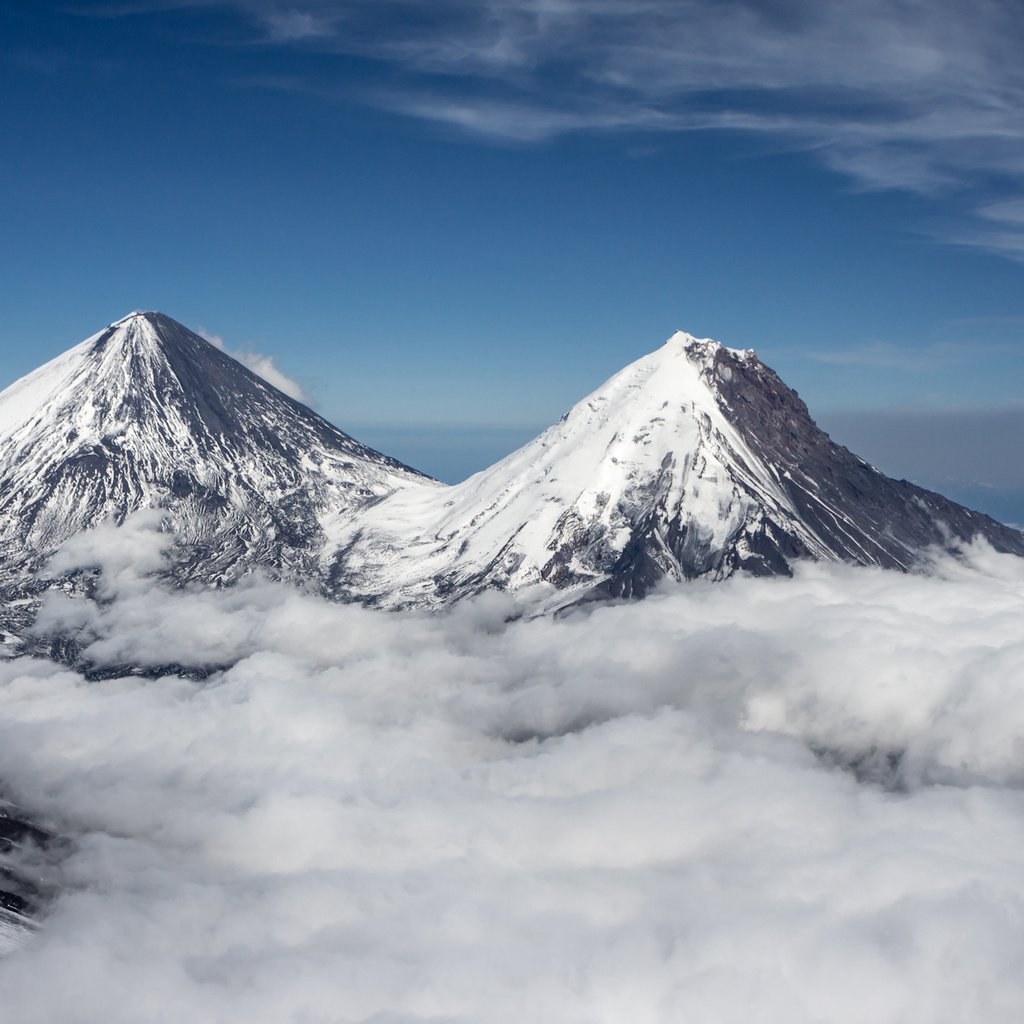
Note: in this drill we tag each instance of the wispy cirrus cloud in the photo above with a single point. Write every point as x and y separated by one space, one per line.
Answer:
884 355
290 26
922 95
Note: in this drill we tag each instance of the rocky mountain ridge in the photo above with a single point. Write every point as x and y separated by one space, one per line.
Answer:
695 461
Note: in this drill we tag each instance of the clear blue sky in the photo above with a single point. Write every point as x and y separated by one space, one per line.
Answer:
449 221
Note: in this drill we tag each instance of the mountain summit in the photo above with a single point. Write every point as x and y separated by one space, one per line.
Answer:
694 461
147 414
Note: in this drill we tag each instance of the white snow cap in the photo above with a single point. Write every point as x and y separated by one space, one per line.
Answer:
134 315
706 346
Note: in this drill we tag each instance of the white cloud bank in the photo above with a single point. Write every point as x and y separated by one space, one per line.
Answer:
632 815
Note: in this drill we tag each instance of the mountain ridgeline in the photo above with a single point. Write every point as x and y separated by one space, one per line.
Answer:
694 461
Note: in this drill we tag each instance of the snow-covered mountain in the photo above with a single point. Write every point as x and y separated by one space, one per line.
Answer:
694 461
147 414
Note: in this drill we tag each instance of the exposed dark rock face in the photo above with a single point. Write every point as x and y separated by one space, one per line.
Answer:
840 505
859 514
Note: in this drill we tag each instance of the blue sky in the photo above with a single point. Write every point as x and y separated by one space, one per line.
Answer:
448 221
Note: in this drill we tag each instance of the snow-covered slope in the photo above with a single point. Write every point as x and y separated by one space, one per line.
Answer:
695 460
146 414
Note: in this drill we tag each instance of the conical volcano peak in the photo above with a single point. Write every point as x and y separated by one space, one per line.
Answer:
696 460
685 372
148 331
150 379
150 353
685 340
148 414
138 314
144 323
706 350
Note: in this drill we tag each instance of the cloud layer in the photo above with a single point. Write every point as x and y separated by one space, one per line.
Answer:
802 796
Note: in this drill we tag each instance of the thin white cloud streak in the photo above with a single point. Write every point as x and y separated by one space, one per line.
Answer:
263 366
931 358
921 95
613 816
289 26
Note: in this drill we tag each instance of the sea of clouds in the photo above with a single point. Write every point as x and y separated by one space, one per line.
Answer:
759 800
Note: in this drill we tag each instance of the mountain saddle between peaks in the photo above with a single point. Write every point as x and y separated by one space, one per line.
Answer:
695 461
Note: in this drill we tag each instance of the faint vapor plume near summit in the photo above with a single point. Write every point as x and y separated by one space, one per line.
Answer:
263 366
